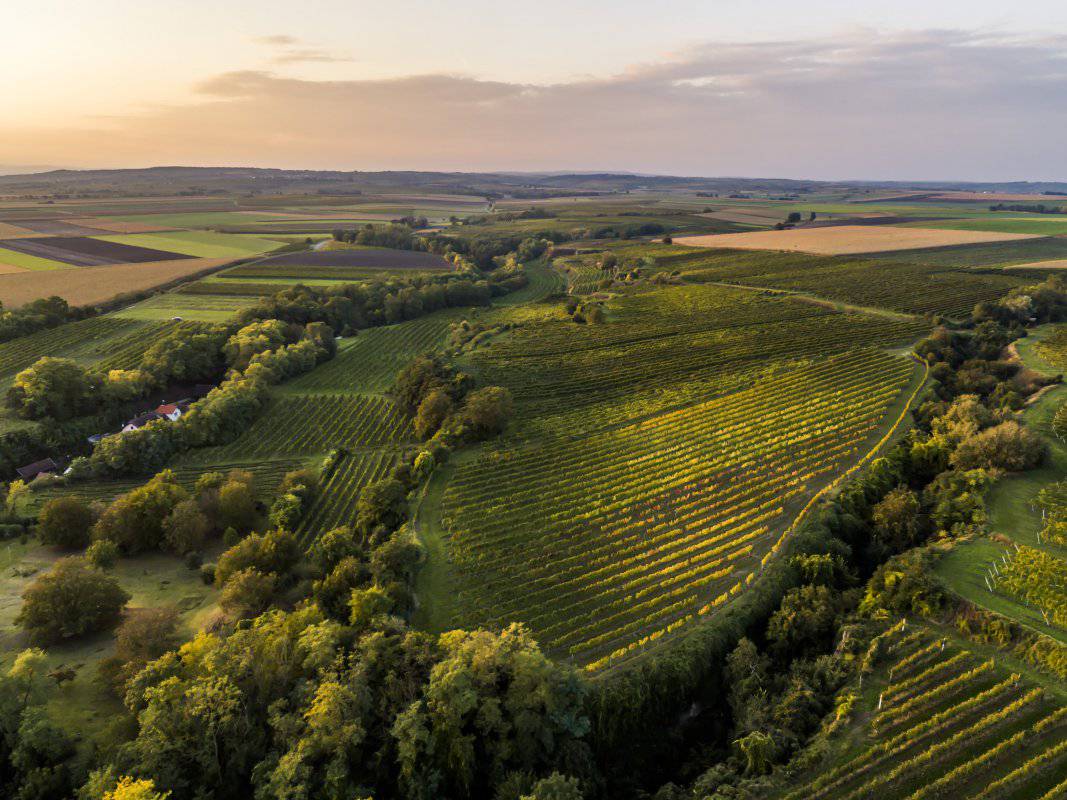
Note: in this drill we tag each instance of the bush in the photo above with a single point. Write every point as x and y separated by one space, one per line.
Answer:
65 522
1008 446
102 553
248 592
207 574
72 599
273 552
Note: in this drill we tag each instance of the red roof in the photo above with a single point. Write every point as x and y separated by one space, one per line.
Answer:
168 408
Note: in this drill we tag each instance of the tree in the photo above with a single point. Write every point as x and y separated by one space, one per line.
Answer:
53 387
758 750
432 412
555 787
494 705
65 522
275 552
896 519
237 503
248 592
1008 446
143 636
417 380
805 620
186 528
380 506
129 789
72 599
365 605
254 338
486 411
135 520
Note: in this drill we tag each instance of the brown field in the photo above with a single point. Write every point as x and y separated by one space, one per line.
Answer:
8 231
982 197
847 239
116 226
9 269
91 285
1059 263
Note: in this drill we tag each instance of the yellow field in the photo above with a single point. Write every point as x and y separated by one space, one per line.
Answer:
1059 263
88 285
847 239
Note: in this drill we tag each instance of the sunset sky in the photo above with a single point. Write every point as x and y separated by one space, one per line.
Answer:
821 89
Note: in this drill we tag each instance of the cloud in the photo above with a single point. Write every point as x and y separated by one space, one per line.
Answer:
292 51
934 104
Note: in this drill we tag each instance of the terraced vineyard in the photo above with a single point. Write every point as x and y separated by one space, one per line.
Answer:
631 513
335 504
949 723
317 423
1053 348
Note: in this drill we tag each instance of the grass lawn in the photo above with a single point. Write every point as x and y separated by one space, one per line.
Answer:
83 705
27 261
206 308
202 244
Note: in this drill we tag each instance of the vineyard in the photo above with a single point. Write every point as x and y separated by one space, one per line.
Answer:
945 722
335 503
369 361
907 287
604 543
1053 348
317 423
1037 578
94 338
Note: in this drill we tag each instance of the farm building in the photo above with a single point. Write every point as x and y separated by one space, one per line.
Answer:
140 421
46 466
169 411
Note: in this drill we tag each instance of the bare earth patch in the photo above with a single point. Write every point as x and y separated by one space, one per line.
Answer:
90 285
1058 263
117 226
7 269
9 231
847 239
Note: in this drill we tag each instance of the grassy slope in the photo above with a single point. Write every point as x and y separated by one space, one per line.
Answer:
1010 510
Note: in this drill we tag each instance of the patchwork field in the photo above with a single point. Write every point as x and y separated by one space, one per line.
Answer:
847 239
199 244
360 258
91 285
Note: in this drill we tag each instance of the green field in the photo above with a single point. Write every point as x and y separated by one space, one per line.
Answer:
1040 224
29 262
202 308
202 244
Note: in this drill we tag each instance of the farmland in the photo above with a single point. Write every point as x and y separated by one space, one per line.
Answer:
847 239
942 717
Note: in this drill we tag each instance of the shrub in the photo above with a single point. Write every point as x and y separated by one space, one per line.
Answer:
65 522
248 592
273 552
102 553
72 599
1007 446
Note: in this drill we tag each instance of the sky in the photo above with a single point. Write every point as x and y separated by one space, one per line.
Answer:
935 90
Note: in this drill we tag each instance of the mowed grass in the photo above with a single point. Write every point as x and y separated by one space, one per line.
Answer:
202 244
204 308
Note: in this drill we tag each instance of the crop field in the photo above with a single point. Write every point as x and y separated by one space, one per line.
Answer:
267 474
91 285
199 244
1037 224
84 251
369 361
948 722
598 544
17 262
1053 347
317 423
203 308
90 339
992 254
656 459
847 239
335 504
363 258
906 287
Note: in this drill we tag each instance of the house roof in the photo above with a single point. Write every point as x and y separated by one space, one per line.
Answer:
31 471
167 408
143 419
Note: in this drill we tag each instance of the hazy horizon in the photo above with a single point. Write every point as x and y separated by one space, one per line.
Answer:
955 92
